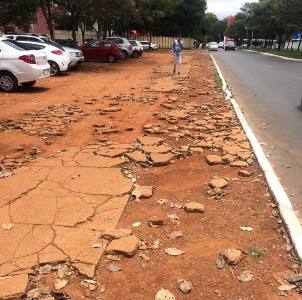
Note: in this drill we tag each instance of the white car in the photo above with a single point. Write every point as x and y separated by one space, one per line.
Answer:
123 44
18 66
213 46
58 59
137 47
221 45
75 55
149 46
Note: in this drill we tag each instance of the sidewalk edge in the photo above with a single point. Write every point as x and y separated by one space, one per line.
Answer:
274 55
285 207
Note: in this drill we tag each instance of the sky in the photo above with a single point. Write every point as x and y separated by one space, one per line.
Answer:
225 8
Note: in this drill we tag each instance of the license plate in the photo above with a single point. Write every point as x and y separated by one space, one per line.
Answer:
46 72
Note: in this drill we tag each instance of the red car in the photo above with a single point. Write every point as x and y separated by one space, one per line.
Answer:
103 50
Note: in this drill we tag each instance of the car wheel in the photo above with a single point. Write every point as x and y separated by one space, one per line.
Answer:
135 54
8 82
111 58
124 55
54 68
29 83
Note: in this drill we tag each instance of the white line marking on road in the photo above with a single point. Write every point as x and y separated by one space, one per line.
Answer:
274 55
285 207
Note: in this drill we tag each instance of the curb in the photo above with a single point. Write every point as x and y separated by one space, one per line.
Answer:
274 55
285 207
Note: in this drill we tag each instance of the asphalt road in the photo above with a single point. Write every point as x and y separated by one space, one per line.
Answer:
269 91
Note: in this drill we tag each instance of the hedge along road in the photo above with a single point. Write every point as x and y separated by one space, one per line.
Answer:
269 91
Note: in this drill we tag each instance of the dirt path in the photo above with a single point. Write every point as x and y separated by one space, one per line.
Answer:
139 180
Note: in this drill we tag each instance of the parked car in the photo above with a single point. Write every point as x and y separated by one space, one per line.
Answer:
19 66
75 55
68 43
229 45
221 45
32 37
59 60
213 46
138 49
123 44
103 50
149 46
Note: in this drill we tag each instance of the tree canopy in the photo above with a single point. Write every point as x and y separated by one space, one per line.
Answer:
267 20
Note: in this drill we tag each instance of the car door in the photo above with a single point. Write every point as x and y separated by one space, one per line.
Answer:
92 50
105 49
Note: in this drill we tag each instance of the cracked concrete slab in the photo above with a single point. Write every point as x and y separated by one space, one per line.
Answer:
57 207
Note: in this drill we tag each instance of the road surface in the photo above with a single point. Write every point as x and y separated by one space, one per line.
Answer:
269 92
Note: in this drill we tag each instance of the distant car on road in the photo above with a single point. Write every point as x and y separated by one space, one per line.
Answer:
229 45
213 46
221 45
19 66
103 50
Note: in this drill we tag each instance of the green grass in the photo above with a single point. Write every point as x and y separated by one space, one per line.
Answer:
285 53
257 253
218 80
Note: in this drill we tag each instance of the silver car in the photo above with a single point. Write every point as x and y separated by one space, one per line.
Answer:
123 44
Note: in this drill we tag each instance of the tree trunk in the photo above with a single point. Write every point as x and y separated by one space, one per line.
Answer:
74 27
47 12
280 40
83 31
300 41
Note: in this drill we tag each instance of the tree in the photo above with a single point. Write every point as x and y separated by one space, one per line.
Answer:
213 29
20 13
73 10
47 7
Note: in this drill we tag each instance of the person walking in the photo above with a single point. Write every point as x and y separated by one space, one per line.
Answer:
176 50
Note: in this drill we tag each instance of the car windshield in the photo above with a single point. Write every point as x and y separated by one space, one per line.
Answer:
13 45
133 43
52 43
29 46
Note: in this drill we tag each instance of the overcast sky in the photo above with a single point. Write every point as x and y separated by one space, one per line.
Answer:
225 8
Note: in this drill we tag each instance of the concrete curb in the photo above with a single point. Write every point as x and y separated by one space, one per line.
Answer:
274 55
285 207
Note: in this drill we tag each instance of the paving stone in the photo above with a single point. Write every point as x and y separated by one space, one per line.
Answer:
155 221
156 149
13 286
161 159
163 294
239 164
116 234
218 183
213 159
137 156
185 286
150 140
232 256
245 173
194 207
126 246
142 192
175 235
